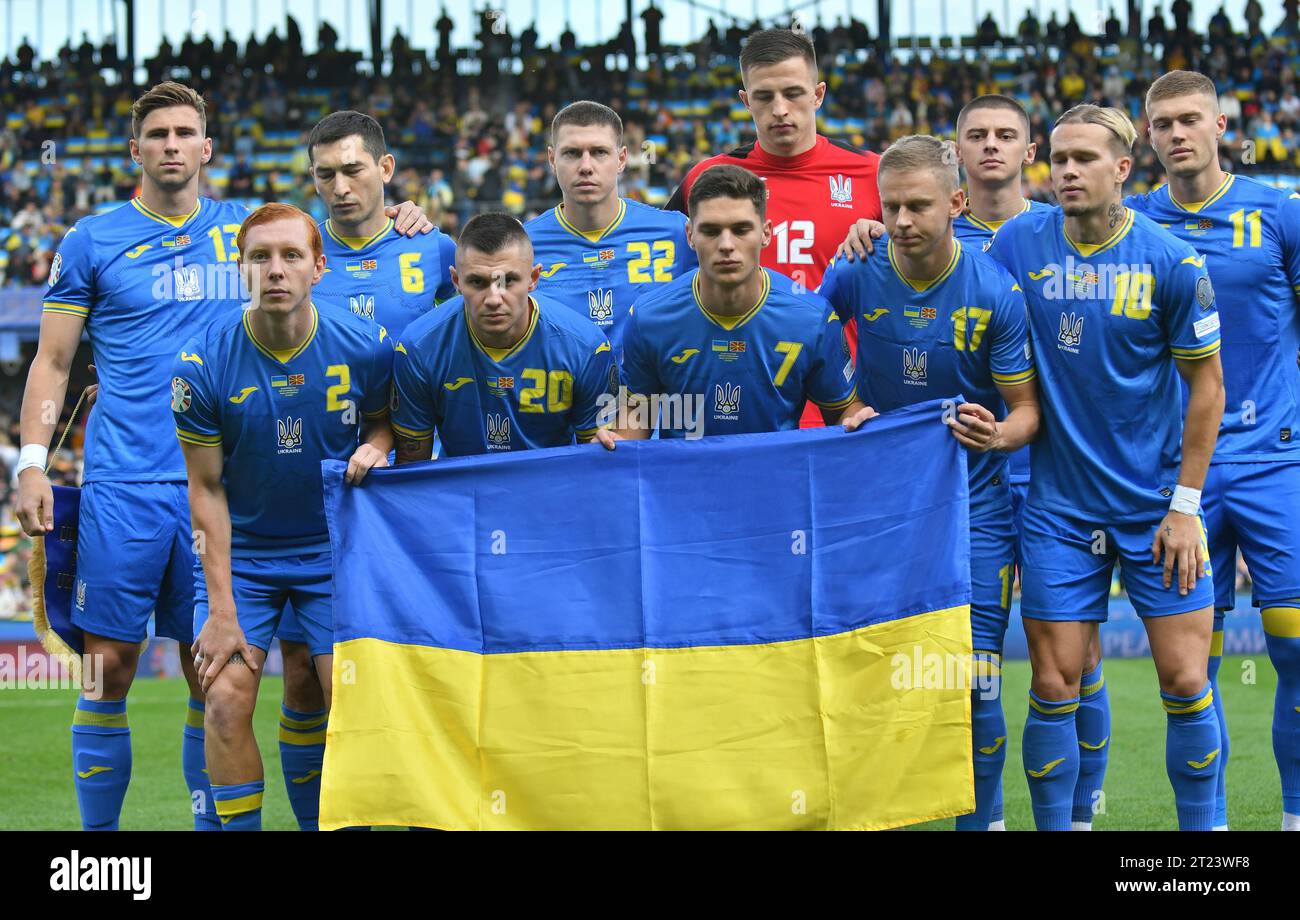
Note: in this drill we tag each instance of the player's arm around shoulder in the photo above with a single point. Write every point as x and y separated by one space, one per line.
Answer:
629 421
411 407
376 431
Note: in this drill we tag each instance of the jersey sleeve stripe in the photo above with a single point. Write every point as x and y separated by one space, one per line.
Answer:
51 306
194 437
378 413
1193 353
411 432
1011 380
838 404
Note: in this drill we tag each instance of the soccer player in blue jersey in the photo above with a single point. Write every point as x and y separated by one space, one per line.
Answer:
731 347
139 281
1249 235
498 368
259 400
370 268
1118 311
937 318
385 276
598 251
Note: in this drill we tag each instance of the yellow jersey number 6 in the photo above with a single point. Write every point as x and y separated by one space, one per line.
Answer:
412 277
665 255
336 396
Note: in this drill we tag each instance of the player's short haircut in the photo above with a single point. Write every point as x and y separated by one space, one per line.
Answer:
921 151
1181 83
727 181
1121 129
584 114
993 101
491 232
278 210
772 46
336 126
164 96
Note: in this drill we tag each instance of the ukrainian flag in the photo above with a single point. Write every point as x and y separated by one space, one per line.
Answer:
738 632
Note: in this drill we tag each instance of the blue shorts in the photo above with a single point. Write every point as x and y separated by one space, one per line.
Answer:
263 587
1068 563
134 558
290 630
992 570
1252 506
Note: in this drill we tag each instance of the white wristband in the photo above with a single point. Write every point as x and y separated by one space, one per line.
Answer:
32 455
1185 500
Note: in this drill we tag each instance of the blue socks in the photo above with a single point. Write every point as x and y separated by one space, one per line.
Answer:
302 755
1282 634
1092 724
239 805
989 734
1051 759
101 761
1192 752
1216 659
194 766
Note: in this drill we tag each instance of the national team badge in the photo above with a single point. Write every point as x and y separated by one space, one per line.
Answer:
181 396
362 305
1070 333
288 434
914 367
498 431
189 283
600 304
841 191
726 401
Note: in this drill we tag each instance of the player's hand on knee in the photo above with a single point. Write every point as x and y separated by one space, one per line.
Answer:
854 421
409 219
606 438
858 244
35 502
366 458
220 642
1178 541
975 427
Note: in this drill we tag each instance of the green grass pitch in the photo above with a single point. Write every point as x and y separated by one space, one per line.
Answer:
36 784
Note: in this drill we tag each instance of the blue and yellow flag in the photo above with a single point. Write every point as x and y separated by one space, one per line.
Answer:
753 631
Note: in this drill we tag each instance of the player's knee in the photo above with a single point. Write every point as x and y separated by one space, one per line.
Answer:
229 709
1054 684
111 678
1186 680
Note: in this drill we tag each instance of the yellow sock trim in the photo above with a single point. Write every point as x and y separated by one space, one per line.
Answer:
100 719
288 737
194 718
300 724
1283 622
1186 709
229 808
1216 644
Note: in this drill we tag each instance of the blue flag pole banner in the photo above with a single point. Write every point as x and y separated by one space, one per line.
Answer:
753 631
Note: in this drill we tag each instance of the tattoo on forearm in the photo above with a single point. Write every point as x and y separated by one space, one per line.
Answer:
410 450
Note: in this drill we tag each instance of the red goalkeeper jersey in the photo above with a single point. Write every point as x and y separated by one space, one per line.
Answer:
813 199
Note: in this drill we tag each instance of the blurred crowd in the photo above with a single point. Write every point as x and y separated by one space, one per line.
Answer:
469 125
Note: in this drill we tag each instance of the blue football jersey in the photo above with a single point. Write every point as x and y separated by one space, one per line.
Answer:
145 284
961 333
389 278
748 373
972 231
546 391
1249 234
1105 323
277 415
599 275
